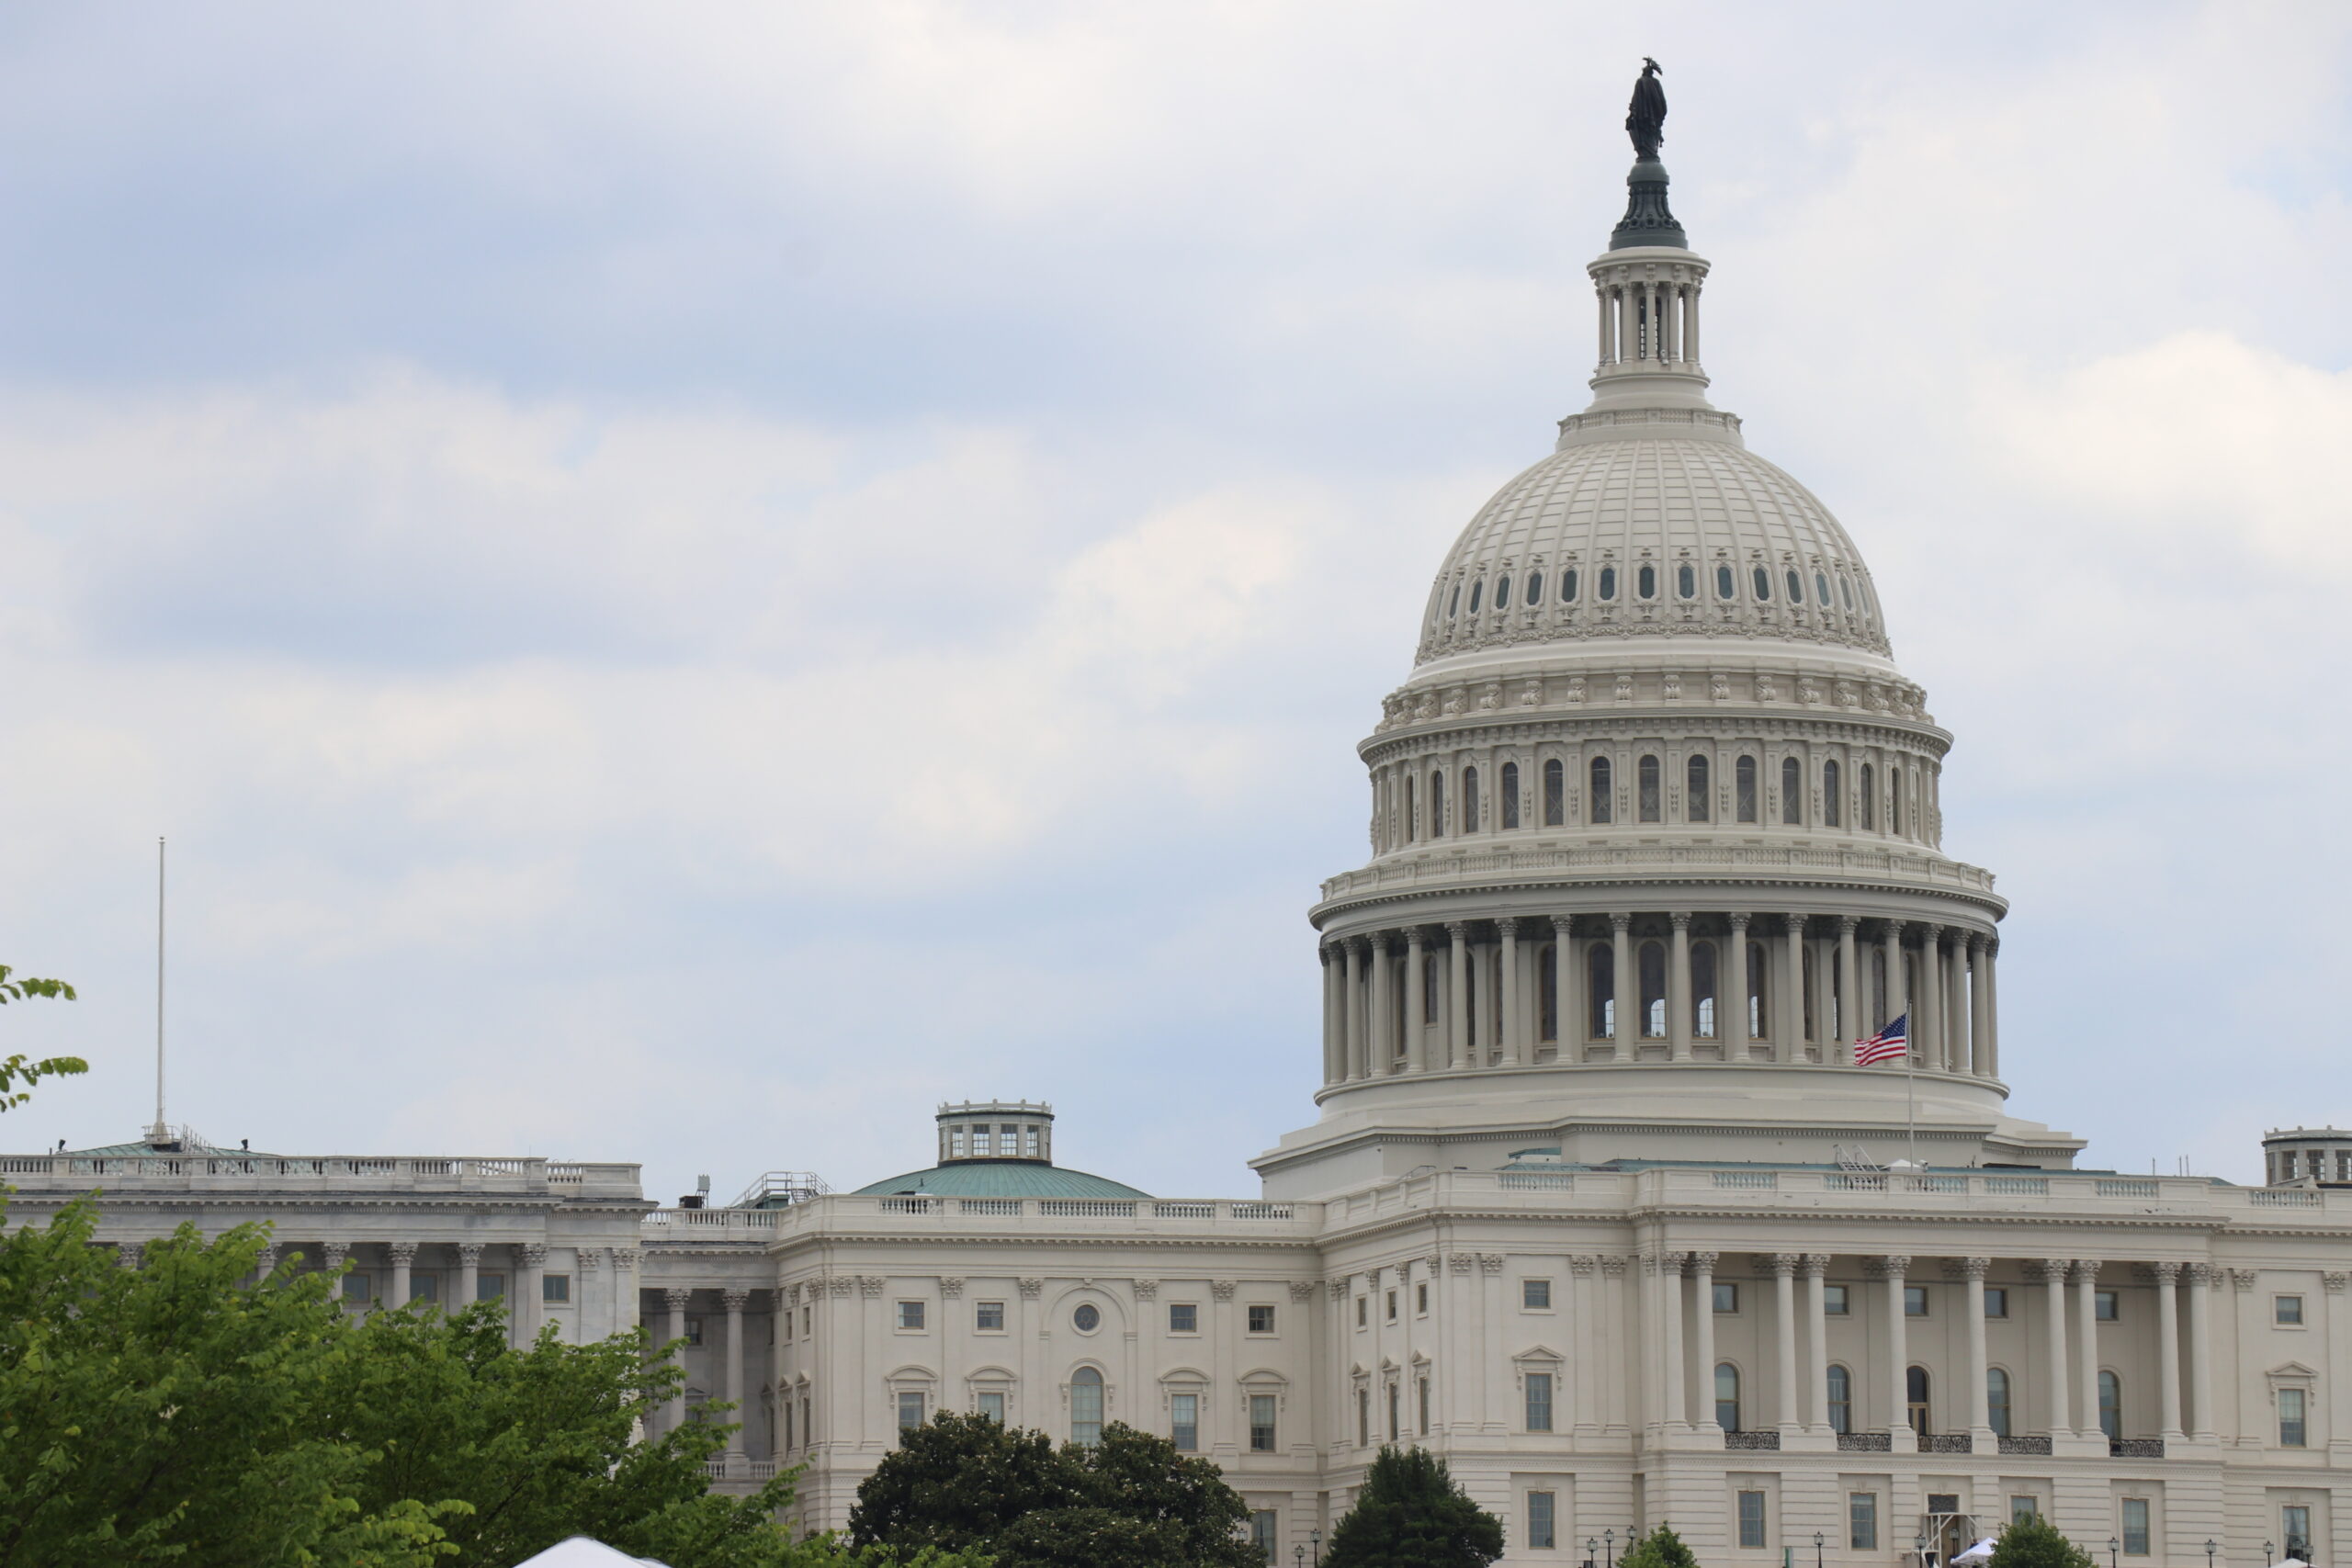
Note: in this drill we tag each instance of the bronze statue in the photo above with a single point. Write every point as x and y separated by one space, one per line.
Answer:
1645 117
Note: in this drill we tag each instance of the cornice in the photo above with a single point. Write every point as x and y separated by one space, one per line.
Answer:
1991 904
1410 739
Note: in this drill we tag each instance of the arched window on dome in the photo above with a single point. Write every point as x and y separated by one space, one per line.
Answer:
1686 581
1556 793
1599 802
1547 993
1830 816
1502 591
1086 1406
1412 817
1894 800
1743 774
1507 797
1437 805
1651 962
1796 586
1469 800
1475 589
1645 581
1791 793
1601 988
1568 585
1870 799
1694 794
1724 587
1703 990
1534 587
1821 590
1647 790
1763 589
1845 591
1453 604
1756 991
1606 591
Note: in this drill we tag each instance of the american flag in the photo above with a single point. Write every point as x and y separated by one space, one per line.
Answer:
1889 1044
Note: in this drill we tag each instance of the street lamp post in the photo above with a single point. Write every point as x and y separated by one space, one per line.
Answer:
2112 1545
1298 1555
1593 1553
1316 1537
2266 1554
1919 1545
1817 1551
1610 1537
2209 1548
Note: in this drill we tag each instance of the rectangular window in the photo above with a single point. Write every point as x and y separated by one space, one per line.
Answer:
1423 1389
2135 1526
809 1319
693 1331
980 1140
1029 1142
1861 1521
1392 1306
1396 1428
788 1427
1834 1303
989 1316
2103 1305
807 1433
1542 1529
2286 1312
1997 1302
1261 1423
1421 1299
992 1406
1539 1402
1536 1295
2023 1507
359 1287
1364 1311
555 1287
1727 1297
2295 1524
1751 1521
1184 1420
909 1411
909 1314
1183 1317
424 1288
2290 1418
1363 1417
1262 1536
1262 1318
489 1287
1915 1301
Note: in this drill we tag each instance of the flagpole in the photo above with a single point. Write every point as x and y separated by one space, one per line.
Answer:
1910 1106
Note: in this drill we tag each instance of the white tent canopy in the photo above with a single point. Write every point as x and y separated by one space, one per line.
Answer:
581 1552
1981 1552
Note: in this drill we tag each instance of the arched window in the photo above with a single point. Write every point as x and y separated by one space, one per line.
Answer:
1567 585
1686 581
1646 779
1086 1406
1453 604
1601 984
1695 792
1480 586
1507 802
1763 581
1502 591
1645 581
1556 793
1534 587
1791 793
1996 1400
1743 774
1702 989
1608 588
1547 993
1469 800
1724 587
1894 801
1756 992
1915 1397
1841 1399
1796 586
1726 1392
1599 803
1870 799
1437 806
1829 813
1651 961
1412 817
2111 1405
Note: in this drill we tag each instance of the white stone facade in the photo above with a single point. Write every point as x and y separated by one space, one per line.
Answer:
1597 1203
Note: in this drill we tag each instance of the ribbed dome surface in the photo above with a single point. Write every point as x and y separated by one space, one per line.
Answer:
1725 544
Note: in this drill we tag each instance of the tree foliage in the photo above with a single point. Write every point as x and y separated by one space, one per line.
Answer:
970 1484
183 1412
1659 1548
17 1070
2034 1542
1412 1513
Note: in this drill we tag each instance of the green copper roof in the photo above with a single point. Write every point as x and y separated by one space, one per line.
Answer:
1001 1179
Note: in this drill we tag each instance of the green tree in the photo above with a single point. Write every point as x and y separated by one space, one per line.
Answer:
2034 1542
17 1070
1659 1548
1411 1514
967 1482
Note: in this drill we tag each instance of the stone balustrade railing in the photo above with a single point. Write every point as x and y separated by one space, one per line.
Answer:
1438 868
917 1212
227 1170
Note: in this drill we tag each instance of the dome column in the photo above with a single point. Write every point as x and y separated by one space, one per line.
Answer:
1356 1022
1678 988
1380 1043
1897 1001
1980 1007
1335 1012
1417 1003
1730 1021
1513 1009
1928 1017
1457 994
1791 1009
1839 1048
1992 1009
1626 1041
1568 993
1959 1052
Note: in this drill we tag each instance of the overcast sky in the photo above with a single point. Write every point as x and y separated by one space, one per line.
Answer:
690 581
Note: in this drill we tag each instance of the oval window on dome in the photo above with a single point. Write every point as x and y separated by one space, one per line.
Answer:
1502 591
1608 584
1534 587
1480 586
1796 586
1724 588
1763 587
1568 586
1845 591
1686 581
1645 581
1821 590
1453 605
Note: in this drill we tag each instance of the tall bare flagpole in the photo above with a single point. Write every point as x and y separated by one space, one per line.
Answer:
160 1132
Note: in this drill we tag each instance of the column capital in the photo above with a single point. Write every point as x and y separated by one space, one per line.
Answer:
1931 933
1620 922
1893 1266
1330 952
2086 1270
1737 919
1816 1265
1507 927
678 1297
2203 1274
2334 1280
1964 1269
1564 926
1793 924
1979 944
623 1257
1681 919
1787 1263
1357 946
1416 936
1458 930
2166 1272
1703 1262
534 1254
334 1254
470 1253
2047 1269
1380 942
131 1254
736 1300
1846 924
1895 931
951 1287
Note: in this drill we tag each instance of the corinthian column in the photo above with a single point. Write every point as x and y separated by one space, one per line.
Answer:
1629 1001
1980 1398
1566 990
1817 1315
676 1345
1898 1356
1839 1046
1980 1009
404 1255
2086 1337
1335 1013
1731 1004
2052 1273
2169 1349
735 1301
2201 1353
1890 945
1678 989
1785 1326
1927 1009
468 1275
1417 1003
1703 1319
1669 1278
1791 1009
1380 1040
1993 1008
1514 1001
1355 1027
1457 994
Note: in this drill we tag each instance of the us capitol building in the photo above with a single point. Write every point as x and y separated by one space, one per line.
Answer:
1596 1204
